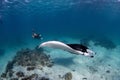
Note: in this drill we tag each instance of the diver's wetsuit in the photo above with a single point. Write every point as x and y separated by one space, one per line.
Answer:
36 36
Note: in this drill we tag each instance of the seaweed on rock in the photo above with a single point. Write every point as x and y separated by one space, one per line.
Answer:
31 58
68 76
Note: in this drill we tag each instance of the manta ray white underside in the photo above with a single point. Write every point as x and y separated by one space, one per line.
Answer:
63 46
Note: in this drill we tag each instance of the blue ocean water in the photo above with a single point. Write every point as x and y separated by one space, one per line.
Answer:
66 17
96 20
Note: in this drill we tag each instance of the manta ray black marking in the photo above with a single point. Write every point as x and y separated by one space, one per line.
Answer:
79 47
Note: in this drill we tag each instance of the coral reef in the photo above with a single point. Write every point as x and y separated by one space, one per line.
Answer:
68 76
26 61
33 64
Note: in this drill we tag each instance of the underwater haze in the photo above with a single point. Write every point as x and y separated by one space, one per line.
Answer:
93 23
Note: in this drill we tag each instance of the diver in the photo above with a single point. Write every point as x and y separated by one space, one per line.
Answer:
36 35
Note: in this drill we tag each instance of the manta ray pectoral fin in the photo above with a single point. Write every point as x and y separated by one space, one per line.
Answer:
72 48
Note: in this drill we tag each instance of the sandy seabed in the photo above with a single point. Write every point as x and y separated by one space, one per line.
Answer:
104 66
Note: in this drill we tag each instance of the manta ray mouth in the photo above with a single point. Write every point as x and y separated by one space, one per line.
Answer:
72 48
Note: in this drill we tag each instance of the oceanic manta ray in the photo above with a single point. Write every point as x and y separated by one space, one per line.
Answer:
72 48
